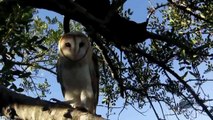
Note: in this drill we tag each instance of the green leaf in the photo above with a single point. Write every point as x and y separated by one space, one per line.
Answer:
13 86
20 90
182 68
43 47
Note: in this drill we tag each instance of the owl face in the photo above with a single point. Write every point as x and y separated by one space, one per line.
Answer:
74 47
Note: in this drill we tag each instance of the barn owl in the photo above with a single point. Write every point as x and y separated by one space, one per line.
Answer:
77 72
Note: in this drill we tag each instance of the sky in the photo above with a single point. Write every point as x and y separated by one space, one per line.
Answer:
139 15
139 9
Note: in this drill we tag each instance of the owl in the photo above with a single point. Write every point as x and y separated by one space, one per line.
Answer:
77 71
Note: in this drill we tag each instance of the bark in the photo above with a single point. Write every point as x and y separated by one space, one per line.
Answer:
22 107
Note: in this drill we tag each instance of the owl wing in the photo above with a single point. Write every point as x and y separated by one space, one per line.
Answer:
59 75
94 73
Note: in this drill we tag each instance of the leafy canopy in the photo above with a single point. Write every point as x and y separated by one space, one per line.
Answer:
169 70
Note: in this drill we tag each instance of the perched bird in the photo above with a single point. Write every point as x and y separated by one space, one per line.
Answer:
77 72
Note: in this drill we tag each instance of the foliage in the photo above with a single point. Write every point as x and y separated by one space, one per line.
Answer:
145 68
24 44
161 71
28 48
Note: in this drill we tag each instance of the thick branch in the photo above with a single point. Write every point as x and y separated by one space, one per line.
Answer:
18 106
93 13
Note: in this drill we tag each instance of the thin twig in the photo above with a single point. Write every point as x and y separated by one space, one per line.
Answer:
153 108
184 8
196 97
39 66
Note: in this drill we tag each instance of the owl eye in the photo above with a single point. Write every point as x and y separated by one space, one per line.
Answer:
81 44
67 44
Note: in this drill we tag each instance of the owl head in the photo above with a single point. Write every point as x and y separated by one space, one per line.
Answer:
74 46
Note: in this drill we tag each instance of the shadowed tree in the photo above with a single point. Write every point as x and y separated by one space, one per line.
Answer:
146 63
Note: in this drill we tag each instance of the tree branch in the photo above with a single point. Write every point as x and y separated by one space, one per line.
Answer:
89 13
186 85
113 69
18 106
185 9
32 65
66 24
